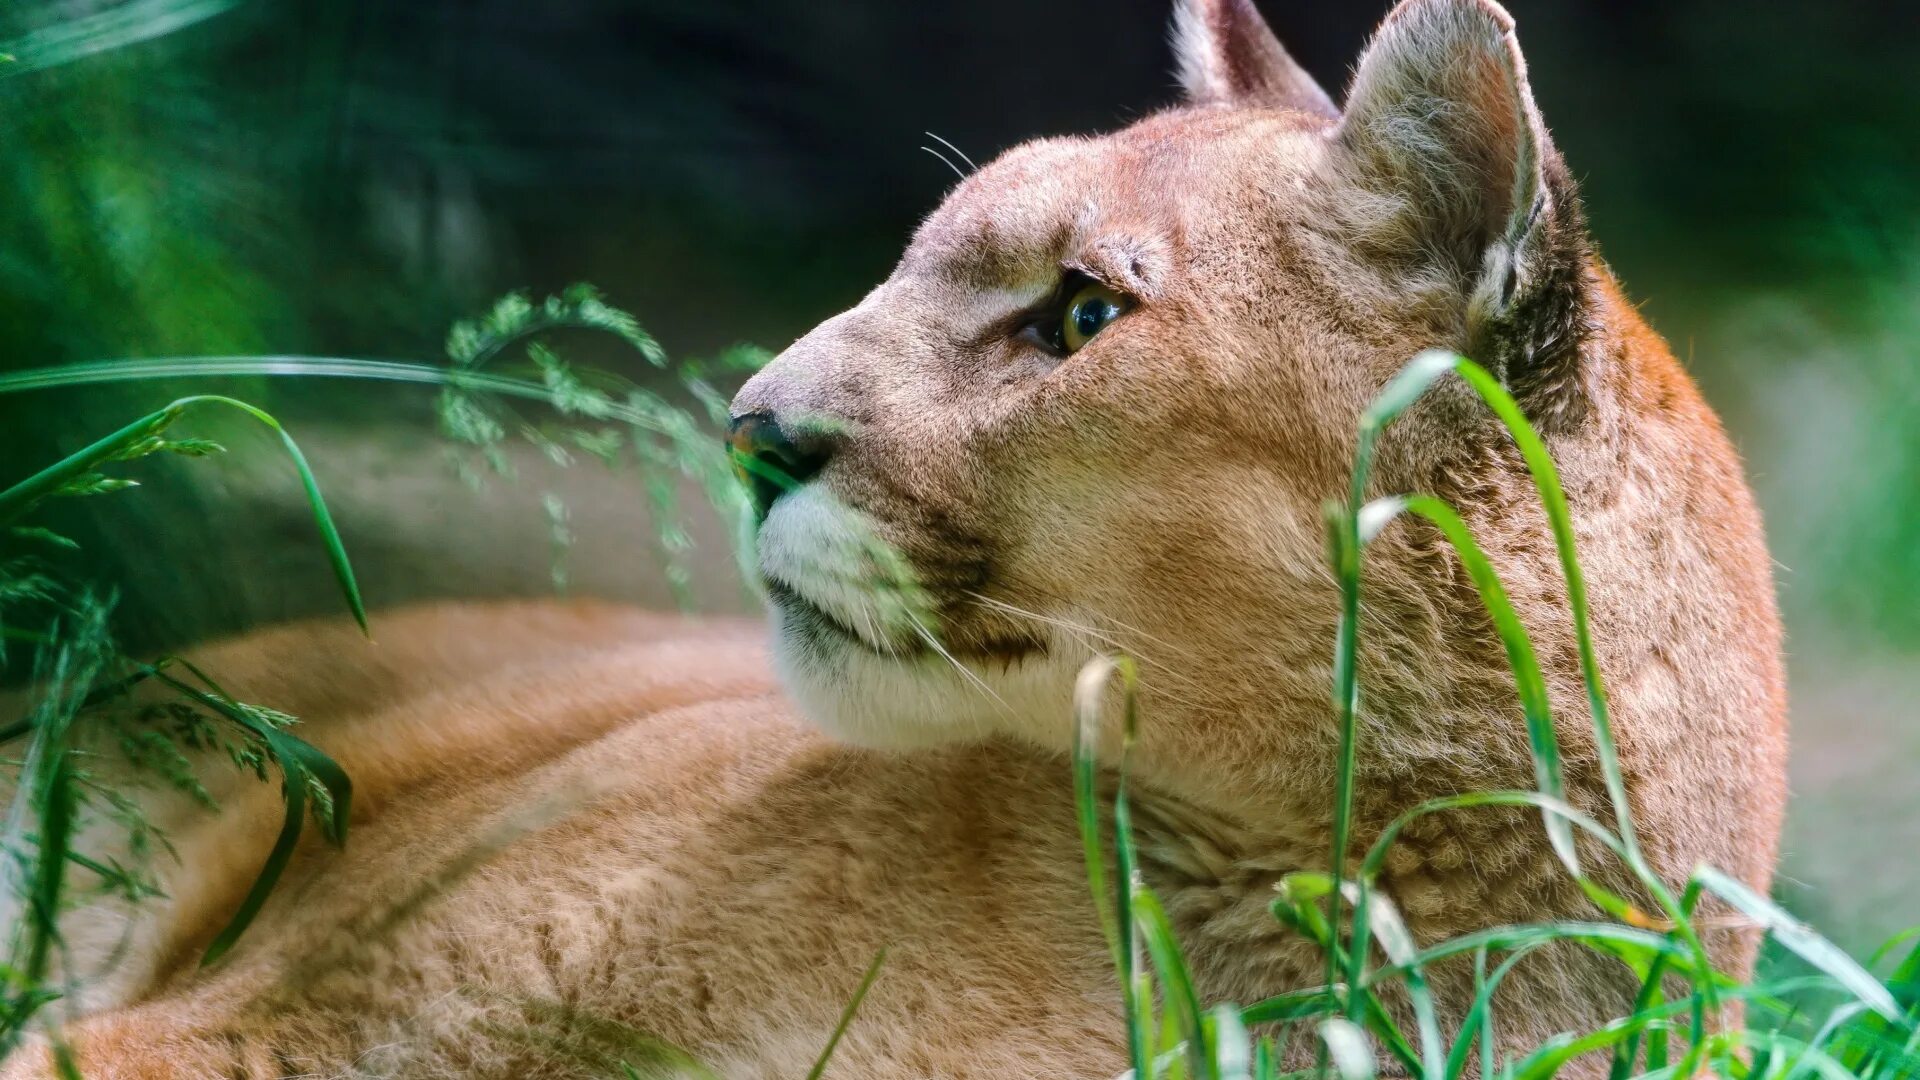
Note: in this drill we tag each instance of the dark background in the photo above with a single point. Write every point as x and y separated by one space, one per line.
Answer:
361 171
189 177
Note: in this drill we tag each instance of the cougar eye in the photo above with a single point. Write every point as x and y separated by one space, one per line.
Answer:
1079 308
1088 312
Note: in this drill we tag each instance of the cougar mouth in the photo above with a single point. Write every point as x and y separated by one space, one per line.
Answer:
813 622
836 581
816 624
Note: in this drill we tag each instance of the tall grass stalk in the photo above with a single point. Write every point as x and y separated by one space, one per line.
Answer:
101 372
80 675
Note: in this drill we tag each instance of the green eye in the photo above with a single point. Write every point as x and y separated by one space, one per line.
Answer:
1088 312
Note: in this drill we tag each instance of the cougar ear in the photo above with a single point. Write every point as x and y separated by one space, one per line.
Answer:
1442 132
1228 56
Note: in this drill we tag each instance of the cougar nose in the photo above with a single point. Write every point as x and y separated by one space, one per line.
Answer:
770 461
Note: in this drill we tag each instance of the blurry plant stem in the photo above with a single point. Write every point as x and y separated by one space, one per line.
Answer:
100 372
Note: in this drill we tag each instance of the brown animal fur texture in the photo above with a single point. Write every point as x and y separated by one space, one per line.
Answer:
574 818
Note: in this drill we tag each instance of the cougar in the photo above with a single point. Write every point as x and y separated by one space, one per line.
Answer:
1095 409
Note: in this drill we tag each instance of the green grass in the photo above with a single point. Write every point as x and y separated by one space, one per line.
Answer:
81 678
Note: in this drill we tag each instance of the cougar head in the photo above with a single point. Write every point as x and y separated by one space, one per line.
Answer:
1100 401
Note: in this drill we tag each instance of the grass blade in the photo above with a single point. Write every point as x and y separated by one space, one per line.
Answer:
1178 993
1232 1050
1528 681
1414 378
846 1015
1635 947
1397 942
1797 936
1347 1049
1836 1022
294 788
298 762
1546 480
1092 683
1650 996
316 503
28 493
1478 1022
1345 543
1116 921
1293 1005
25 495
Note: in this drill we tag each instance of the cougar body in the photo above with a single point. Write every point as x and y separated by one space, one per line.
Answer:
1097 408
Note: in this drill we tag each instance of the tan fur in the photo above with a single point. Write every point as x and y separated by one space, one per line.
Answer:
575 812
